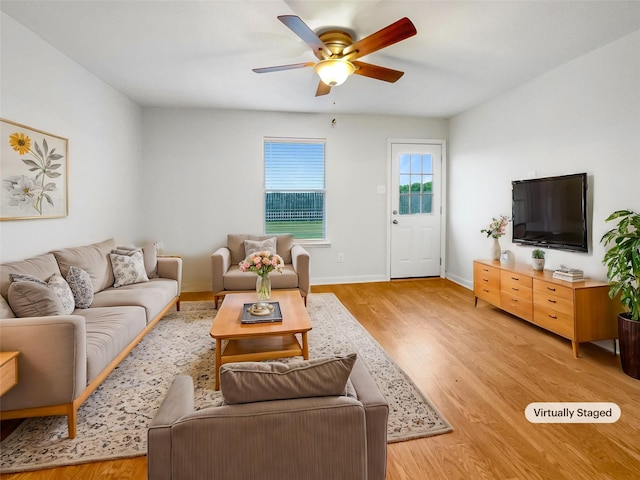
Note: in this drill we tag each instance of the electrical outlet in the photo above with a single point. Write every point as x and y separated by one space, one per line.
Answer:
340 257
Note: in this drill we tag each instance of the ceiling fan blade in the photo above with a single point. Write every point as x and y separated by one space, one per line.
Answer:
323 89
377 72
279 68
301 29
389 35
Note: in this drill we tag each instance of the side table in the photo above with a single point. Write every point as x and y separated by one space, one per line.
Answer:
8 371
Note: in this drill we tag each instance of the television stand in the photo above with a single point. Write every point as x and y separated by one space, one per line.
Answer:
580 311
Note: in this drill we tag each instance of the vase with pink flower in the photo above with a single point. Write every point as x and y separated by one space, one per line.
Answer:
495 230
262 263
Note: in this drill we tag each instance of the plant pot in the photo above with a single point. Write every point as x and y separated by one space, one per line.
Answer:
629 338
538 264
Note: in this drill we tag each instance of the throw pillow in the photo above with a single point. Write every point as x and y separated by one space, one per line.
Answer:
61 288
150 254
255 246
19 277
5 309
128 269
246 382
32 299
80 284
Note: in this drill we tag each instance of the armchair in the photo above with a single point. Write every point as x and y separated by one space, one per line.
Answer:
337 437
226 276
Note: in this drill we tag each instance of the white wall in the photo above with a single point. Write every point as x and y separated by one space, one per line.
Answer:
204 179
42 88
581 117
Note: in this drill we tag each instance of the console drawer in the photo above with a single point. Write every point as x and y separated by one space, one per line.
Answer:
558 322
486 283
553 289
517 285
518 306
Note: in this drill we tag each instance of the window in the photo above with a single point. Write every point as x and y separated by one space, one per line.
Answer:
416 183
294 187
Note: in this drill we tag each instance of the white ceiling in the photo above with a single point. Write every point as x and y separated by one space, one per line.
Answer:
200 53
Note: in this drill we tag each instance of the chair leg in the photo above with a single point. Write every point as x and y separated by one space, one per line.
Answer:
216 298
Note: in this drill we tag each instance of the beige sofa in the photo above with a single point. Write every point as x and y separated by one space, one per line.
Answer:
226 276
64 357
340 434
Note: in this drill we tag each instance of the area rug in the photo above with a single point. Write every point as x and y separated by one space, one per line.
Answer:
113 422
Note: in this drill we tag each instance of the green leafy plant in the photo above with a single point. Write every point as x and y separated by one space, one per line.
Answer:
623 260
537 253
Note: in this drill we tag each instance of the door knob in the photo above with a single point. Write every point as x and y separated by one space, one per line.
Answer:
395 222
395 212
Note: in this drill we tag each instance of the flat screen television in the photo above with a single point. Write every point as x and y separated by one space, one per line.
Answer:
551 212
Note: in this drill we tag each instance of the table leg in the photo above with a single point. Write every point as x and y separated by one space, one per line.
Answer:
218 361
305 346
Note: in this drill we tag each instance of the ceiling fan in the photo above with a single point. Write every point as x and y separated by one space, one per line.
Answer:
338 53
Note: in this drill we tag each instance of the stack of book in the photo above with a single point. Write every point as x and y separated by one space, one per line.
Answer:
569 274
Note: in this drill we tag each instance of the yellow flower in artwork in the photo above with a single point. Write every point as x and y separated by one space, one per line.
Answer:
20 142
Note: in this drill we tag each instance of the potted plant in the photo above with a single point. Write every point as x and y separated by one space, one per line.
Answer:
538 259
623 271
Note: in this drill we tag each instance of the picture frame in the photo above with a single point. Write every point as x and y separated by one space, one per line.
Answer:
34 170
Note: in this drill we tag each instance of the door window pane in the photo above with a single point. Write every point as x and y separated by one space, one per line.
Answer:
415 184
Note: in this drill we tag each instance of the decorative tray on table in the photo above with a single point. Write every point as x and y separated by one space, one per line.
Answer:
261 312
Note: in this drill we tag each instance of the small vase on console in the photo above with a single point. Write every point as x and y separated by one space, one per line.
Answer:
496 251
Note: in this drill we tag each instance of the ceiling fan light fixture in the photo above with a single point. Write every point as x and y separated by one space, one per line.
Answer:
334 71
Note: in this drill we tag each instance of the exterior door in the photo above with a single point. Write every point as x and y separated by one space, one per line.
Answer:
416 196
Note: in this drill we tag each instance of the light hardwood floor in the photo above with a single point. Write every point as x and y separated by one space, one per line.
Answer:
480 367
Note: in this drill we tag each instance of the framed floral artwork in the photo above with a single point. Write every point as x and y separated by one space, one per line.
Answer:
34 173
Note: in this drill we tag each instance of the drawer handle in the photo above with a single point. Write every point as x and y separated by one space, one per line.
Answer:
485 269
517 279
514 300
553 316
551 289
485 290
551 301
515 289
485 279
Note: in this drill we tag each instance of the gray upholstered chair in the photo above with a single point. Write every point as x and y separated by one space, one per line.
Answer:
226 276
342 436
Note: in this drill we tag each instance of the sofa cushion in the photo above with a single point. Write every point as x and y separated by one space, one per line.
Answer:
128 269
41 267
109 331
93 259
254 246
235 244
246 382
61 288
81 287
34 299
234 279
153 296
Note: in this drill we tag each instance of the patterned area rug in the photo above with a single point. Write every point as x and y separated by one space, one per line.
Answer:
113 422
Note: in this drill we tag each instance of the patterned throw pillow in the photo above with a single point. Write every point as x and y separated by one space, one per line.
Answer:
128 269
63 291
80 284
20 277
255 246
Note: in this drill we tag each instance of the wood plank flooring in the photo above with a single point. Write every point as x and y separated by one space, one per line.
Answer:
480 367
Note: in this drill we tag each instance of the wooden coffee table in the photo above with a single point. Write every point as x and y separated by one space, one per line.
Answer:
260 341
